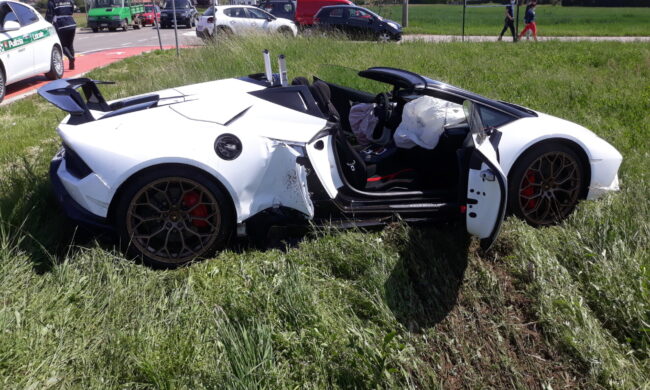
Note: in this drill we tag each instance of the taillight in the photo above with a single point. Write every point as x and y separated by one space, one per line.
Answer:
210 19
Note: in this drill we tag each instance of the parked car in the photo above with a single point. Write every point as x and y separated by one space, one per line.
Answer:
29 45
186 14
357 22
177 172
151 14
241 19
280 8
306 9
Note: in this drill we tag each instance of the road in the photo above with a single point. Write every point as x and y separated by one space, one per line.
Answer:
87 41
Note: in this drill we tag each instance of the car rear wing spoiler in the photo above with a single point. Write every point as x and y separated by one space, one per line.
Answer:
64 95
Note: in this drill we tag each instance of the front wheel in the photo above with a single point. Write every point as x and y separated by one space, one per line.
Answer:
546 184
3 85
172 216
56 65
384 37
286 31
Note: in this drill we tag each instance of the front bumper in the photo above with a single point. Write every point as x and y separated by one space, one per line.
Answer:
180 20
71 208
105 24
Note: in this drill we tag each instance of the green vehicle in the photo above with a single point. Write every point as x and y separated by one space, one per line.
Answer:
114 14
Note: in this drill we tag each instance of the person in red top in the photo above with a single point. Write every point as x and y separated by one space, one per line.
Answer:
529 18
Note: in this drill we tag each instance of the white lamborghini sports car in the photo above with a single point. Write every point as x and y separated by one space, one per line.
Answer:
177 172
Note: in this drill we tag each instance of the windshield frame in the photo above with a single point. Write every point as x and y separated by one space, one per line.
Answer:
180 4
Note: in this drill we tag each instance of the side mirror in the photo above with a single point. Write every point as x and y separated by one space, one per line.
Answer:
270 18
10 25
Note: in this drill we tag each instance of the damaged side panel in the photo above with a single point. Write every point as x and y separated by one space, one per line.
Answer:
284 181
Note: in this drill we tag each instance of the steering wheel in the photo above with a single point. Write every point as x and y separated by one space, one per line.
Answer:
383 112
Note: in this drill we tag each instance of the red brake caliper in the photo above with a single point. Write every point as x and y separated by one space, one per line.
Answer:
201 211
529 191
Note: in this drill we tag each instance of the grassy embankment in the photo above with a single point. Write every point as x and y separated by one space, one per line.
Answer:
567 306
551 20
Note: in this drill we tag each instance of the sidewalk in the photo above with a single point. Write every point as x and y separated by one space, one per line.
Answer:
84 63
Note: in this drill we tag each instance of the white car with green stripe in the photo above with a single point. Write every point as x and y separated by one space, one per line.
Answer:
29 45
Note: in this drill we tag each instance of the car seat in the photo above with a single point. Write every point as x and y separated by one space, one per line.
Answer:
359 175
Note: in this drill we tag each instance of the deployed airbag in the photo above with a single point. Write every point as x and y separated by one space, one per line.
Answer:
423 121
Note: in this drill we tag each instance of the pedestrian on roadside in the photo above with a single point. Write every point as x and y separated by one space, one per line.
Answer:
529 19
509 22
59 13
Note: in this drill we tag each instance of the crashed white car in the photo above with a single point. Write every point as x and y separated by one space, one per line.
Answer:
29 45
178 172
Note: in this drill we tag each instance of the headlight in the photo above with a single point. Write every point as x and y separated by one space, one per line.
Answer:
92 18
394 25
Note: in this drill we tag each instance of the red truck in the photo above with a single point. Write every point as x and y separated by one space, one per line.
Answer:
301 11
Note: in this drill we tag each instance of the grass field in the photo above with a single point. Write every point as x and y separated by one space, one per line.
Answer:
560 307
551 20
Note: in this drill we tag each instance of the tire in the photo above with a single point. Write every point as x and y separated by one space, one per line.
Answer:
172 216
546 183
3 85
285 31
112 29
95 29
56 65
384 37
224 31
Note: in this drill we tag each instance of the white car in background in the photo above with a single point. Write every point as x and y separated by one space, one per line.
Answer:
241 19
28 45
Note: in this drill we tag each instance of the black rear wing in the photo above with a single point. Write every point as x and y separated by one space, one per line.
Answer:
64 95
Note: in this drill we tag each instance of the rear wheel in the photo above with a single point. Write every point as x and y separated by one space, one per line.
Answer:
224 31
173 216
546 184
56 65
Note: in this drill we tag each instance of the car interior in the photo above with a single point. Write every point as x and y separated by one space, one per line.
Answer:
384 167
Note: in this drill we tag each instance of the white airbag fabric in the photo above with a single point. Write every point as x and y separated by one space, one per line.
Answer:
424 120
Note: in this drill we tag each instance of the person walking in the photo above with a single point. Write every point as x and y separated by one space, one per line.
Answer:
529 19
59 13
509 22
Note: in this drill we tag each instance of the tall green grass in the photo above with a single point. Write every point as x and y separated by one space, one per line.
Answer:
551 20
406 307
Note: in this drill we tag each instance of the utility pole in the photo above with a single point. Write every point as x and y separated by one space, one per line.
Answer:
405 13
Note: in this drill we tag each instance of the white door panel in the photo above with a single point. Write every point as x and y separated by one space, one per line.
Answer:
486 183
17 56
321 156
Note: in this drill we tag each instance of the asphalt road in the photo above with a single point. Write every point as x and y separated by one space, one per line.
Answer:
87 41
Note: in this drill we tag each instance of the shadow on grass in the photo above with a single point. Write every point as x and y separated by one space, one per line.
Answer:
29 210
423 286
